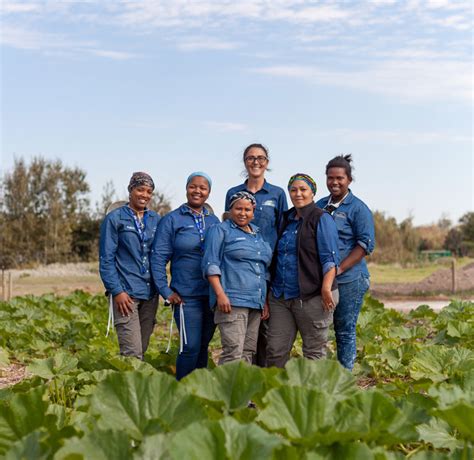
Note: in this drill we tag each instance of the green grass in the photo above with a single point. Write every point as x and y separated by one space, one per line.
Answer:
396 274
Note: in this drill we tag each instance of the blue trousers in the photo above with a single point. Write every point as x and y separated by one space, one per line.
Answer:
199 325
351 297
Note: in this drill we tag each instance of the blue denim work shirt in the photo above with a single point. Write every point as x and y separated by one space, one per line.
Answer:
177 240
241 260
271 204
286 276
124 259
355 225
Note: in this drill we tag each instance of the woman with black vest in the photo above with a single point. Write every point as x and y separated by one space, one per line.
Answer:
303 292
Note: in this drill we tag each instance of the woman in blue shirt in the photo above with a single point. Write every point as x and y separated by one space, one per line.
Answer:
355 226
180 239
126 237
270 205
236 262
304 293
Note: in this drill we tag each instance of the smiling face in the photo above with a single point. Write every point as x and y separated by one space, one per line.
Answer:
337 182
301 194
256 162
241 212
197 192
140 197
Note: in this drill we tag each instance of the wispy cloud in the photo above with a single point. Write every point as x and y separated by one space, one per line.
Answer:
225 127
206 43
25 39
406 80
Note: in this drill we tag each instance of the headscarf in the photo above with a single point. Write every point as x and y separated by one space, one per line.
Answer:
199 174
306 178
140 178
242 196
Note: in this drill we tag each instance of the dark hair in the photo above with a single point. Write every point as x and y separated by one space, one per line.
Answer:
255 146
341 161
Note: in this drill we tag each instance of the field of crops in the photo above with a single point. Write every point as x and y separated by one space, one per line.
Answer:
412 395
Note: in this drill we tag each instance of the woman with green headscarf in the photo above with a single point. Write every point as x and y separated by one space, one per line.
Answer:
303 292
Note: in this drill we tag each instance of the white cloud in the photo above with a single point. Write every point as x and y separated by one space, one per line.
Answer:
206 43
225 127
410 81
116 55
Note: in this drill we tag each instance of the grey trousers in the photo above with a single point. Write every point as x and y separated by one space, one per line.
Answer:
239 333
287 317
134 331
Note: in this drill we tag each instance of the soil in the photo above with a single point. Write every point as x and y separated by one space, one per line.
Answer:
437 285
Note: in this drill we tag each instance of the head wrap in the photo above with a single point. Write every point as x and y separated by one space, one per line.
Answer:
304 177
140 178
199 174
242 196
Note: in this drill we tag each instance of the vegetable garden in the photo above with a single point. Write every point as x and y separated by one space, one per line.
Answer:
412 395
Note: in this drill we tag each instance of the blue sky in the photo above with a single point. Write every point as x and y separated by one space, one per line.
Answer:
170 87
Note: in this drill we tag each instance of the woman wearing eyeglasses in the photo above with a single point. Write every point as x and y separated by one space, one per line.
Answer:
271 203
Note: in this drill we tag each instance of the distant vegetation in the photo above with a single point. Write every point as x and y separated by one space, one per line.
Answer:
46 216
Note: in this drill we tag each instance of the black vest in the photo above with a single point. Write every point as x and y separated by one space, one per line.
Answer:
310 271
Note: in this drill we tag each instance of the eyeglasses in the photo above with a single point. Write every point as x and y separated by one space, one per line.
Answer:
261 159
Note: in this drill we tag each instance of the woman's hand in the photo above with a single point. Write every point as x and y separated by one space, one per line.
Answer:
124 303
265 311
223 303
327 300
174 299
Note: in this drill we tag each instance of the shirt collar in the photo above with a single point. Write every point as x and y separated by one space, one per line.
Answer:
264 187
185 209
254 228
346 200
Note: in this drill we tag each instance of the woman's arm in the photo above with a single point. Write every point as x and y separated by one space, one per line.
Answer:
326 293
354 257
223 303
161 253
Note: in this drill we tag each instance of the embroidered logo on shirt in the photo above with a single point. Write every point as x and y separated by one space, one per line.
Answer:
129 227
240 238
269 203
340 215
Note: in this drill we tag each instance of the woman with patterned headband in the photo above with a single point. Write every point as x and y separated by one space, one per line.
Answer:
236 262
126 237
303 291
270 205
180 240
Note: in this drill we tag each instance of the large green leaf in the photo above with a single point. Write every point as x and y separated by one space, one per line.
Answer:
233 384
97 445
154 447
140 404
224 439
439 434
438 363
459 416
28 447
324 375
23 414
59 364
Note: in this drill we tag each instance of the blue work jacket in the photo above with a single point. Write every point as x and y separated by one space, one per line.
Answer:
355 226
242 261
124 258
286 277
178 240
271 204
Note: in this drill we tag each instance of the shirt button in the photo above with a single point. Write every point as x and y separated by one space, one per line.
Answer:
147 284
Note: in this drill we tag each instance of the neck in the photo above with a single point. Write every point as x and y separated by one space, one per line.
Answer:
138 212
338 199
254 184
194 208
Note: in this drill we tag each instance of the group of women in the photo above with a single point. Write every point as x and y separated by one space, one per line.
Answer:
260 276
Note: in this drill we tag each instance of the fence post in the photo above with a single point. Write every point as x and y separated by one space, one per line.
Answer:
453 269
4 287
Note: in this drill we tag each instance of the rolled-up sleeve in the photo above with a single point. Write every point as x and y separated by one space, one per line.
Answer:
327 241
161 253
213 247
108 244
364 229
